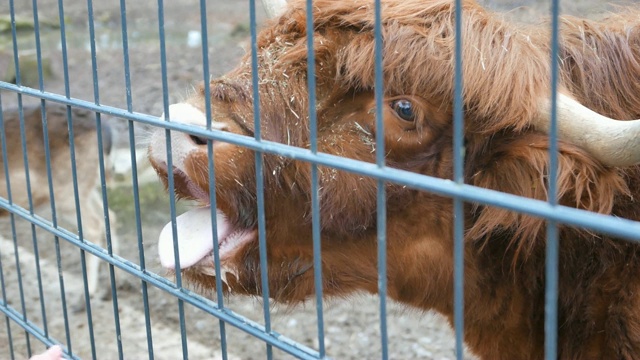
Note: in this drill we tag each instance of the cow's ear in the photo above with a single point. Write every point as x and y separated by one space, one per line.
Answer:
520 166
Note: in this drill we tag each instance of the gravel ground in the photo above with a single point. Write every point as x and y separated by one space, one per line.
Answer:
351 326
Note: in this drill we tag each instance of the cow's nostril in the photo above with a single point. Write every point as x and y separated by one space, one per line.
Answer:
198 140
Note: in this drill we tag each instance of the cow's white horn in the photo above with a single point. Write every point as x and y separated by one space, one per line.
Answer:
613 142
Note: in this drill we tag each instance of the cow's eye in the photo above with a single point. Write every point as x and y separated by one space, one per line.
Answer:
404 109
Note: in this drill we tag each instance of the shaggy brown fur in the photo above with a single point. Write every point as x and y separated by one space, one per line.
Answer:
506 72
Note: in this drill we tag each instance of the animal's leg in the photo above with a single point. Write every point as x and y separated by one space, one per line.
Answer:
93 230
113 236
115 242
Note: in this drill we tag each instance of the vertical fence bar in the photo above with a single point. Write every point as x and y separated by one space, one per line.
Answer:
212 176
259 174
4 303
171 185
36 25
74 173
315 191
4 292
14 236
63 298
552 251
214 227
45 132
4 154
34 239
381 193
96 97
458 175
134 174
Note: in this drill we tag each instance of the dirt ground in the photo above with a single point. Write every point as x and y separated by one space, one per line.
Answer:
351 326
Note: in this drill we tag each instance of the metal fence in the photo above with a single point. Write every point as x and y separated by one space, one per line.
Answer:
13 305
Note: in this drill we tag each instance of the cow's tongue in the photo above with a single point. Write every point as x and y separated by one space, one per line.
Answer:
195 239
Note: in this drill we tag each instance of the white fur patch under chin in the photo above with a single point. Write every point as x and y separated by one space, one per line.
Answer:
188 114
181 143
185 114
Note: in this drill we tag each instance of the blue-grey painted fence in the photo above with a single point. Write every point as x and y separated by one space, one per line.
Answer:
456 189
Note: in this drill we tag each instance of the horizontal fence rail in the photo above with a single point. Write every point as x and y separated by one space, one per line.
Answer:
624 228
13 306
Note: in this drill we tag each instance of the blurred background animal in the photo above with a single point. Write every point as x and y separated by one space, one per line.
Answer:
90 199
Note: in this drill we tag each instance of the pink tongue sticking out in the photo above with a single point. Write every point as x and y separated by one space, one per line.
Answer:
195 240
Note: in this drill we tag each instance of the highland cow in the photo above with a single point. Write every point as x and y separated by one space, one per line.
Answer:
506 73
